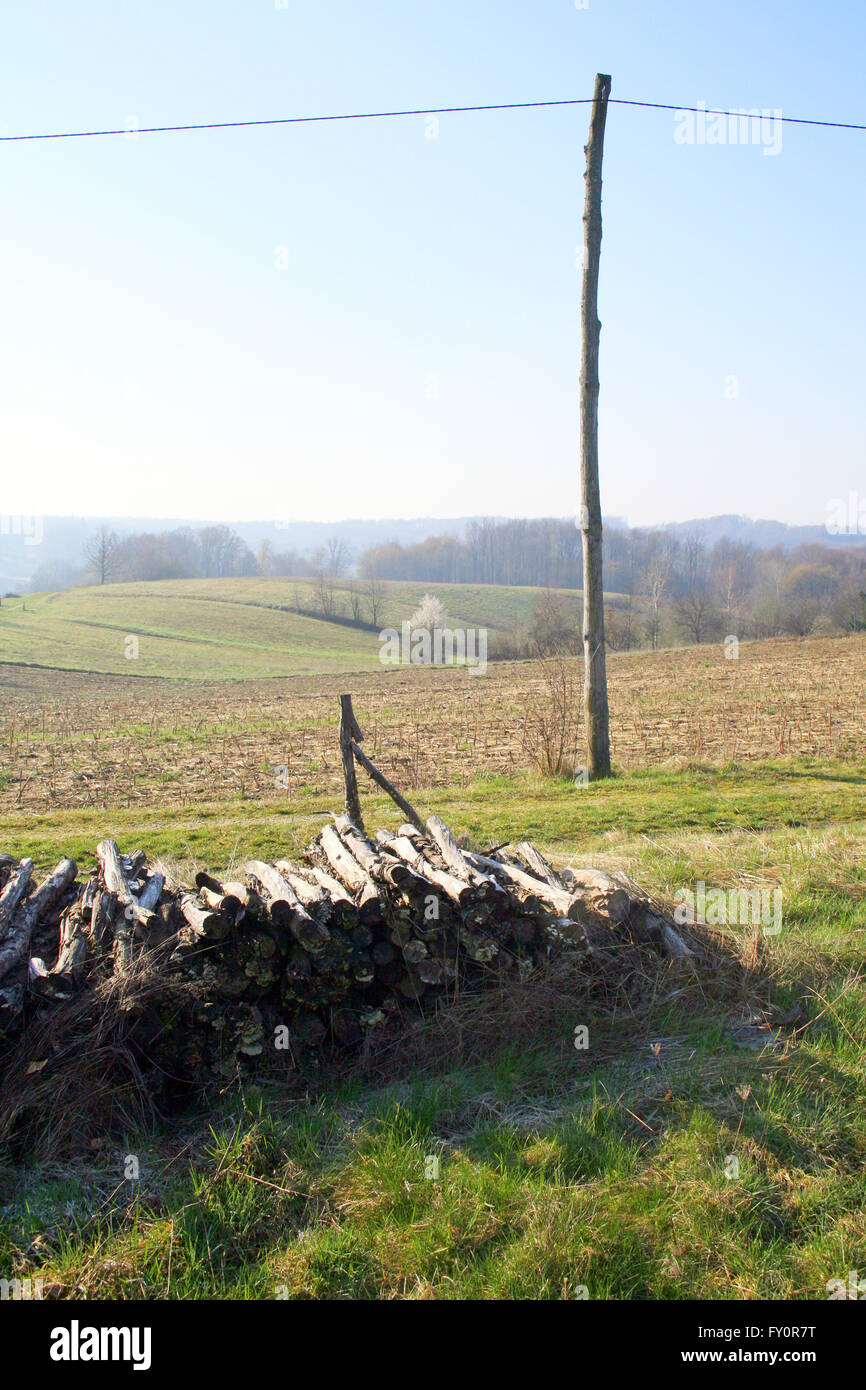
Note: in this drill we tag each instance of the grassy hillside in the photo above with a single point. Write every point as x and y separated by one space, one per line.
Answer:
500 607
181 636
224 629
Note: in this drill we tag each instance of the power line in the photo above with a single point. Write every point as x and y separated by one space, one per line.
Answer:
437 111
750 115
301 120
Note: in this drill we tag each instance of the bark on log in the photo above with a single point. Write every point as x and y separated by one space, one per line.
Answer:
343 862
121 946
15 944
14 891
102 921
132 863
461 893
252 902
312 896
203 920
601 896
90 897
604 897
381 868
308 933
459 863
532 890
150 895
226 905
343 911
538 865
115 880
74 947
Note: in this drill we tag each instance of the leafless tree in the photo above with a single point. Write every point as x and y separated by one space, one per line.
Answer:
696 615
554 623
339 557
655 583
552 717
375 593
695 559
265 558
101 553
224 553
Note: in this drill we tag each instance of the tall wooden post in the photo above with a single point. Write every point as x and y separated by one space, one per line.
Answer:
349 733
595 675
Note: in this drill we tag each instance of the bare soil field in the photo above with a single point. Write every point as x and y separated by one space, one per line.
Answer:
74 739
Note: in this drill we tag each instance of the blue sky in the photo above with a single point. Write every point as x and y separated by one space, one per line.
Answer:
358 320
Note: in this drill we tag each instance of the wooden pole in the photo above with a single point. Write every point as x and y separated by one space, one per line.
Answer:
349 733
595 704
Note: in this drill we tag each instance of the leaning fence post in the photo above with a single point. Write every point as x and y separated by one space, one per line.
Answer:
349 733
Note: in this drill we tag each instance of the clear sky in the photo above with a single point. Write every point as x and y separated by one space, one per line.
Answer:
355 319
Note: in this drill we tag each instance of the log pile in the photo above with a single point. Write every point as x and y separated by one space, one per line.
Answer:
303 956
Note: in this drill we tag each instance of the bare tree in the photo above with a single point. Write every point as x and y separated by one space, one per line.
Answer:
656 581
324 596
552 717
554 625
265 557
339 557
101 553
696 616
695 558
375 594
224 553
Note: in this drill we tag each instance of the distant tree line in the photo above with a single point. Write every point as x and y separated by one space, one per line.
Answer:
210 552
539 553
218 552
664 589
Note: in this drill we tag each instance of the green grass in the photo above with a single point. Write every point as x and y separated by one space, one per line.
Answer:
564 818
227 629
498 606
178 637
559 1171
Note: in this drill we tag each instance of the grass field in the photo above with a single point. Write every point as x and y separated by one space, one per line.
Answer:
680 1156
228 629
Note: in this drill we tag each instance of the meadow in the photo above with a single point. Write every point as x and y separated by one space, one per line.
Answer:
603 1173
230 629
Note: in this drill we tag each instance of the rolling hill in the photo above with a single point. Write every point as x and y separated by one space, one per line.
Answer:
220 629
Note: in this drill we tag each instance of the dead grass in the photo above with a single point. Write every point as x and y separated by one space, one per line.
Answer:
74 740
81 1070
84 1071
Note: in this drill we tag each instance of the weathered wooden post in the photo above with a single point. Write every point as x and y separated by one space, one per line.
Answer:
349 733
595 674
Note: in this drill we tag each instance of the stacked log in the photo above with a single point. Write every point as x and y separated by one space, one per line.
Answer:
304 955
22 909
